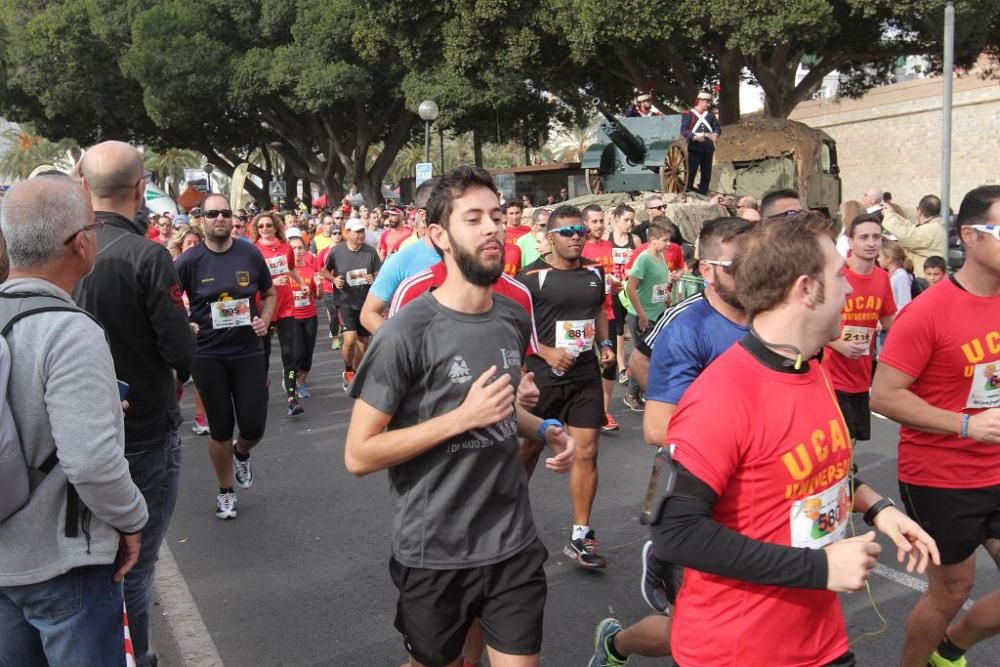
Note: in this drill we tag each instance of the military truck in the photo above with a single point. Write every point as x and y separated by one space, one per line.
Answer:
757 155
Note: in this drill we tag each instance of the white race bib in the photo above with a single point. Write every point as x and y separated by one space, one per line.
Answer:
818 520
858 335
575 335
661 293
277 265
230 313
357 277
301 299
985 390
621 255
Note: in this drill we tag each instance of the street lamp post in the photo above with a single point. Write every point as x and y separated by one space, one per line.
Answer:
428 112
209 168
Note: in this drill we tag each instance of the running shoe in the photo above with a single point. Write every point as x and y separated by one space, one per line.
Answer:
603 636
610 423
337 343
225 506
295 408
200 425
654 589
623 376
635 403
937 660
584 552
243 472
348 377
302 390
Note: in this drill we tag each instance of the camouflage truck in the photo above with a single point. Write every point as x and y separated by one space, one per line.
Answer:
757 155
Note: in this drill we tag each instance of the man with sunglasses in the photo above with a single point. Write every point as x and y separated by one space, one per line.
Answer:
780 202
567 294
135 293
240 229
654 207
938 377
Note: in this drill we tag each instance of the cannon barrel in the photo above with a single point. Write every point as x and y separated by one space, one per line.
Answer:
632 146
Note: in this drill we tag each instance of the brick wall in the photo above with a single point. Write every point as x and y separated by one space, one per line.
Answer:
891 138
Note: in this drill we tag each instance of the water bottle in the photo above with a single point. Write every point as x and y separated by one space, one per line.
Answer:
575 351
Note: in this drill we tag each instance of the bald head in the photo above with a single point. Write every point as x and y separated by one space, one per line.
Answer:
37 217
112 171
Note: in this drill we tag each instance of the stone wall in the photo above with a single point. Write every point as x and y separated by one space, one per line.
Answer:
891 138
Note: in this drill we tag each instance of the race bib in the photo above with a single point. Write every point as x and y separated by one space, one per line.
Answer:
985 390
357 277
621 255
818 520
277 265
230 313
575 335
301 299
661 293
858 335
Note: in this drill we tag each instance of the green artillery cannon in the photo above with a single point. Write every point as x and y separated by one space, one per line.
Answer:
636 154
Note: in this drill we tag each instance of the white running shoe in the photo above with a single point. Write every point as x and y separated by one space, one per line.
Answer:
225 506
242 471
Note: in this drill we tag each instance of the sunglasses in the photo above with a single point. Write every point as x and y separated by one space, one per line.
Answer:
335 233
340 218
786 214
655 208
724 263
992 230
239 226
214 213
569 231
89 228
265 225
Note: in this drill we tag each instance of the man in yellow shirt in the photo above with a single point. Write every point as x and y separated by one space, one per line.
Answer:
926 238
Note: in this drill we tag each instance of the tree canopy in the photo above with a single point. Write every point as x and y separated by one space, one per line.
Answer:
329 88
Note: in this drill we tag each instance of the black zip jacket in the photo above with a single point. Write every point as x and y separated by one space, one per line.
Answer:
135 294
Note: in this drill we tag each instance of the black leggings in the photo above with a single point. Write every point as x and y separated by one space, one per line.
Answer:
234 392
331 313
305 342
618 324
286 342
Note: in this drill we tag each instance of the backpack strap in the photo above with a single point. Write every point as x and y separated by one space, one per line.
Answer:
31 303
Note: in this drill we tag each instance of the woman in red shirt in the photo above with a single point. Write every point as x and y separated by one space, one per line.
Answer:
304 302
268 233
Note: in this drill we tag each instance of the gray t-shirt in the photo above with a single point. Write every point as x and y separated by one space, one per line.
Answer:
354 266
463 503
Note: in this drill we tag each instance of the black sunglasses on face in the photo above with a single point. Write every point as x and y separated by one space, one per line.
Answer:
213 213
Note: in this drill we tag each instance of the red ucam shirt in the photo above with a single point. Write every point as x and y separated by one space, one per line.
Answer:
392 239
512 234
511 259
870 301
777 453
673 255
280 259
434 276
325 286
949 340
602 252
304 294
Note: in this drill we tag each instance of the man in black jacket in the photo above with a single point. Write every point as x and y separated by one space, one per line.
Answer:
135 294
701 128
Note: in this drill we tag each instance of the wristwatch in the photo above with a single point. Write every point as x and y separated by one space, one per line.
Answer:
879 505
606 343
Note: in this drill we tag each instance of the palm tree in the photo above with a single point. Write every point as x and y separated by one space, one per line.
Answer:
28 150
170 165
569 143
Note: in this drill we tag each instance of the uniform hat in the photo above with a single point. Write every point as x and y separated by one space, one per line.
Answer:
705 96
645 97
293 233
354 225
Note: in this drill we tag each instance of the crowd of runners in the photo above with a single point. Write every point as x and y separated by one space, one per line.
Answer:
477 340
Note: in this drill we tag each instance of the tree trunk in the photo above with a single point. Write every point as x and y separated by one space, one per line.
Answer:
477 148
307 191
291 185
730 68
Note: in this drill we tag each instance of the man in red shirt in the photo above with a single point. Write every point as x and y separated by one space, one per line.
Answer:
938 377
848 359
394 235
513 229
760 489
599 249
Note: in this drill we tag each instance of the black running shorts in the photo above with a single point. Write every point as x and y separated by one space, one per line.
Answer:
580 404
611 372
436 607
958 519
350 320
857 414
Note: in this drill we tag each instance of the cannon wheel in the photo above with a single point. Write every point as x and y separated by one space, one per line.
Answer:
674 174
594 182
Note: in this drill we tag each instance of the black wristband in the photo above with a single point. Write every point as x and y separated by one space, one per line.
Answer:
873 511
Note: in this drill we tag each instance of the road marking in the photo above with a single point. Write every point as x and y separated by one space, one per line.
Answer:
182 616
909 581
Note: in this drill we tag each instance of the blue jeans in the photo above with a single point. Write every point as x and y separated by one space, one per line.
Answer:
157 473
73 619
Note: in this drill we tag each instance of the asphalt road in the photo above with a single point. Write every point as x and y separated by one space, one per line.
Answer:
301 577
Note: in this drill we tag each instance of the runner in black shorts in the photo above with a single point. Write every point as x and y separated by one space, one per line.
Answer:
567 293
623 242
222 279
937 375
436 407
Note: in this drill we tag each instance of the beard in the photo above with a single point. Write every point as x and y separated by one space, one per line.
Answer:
728 296
473 269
